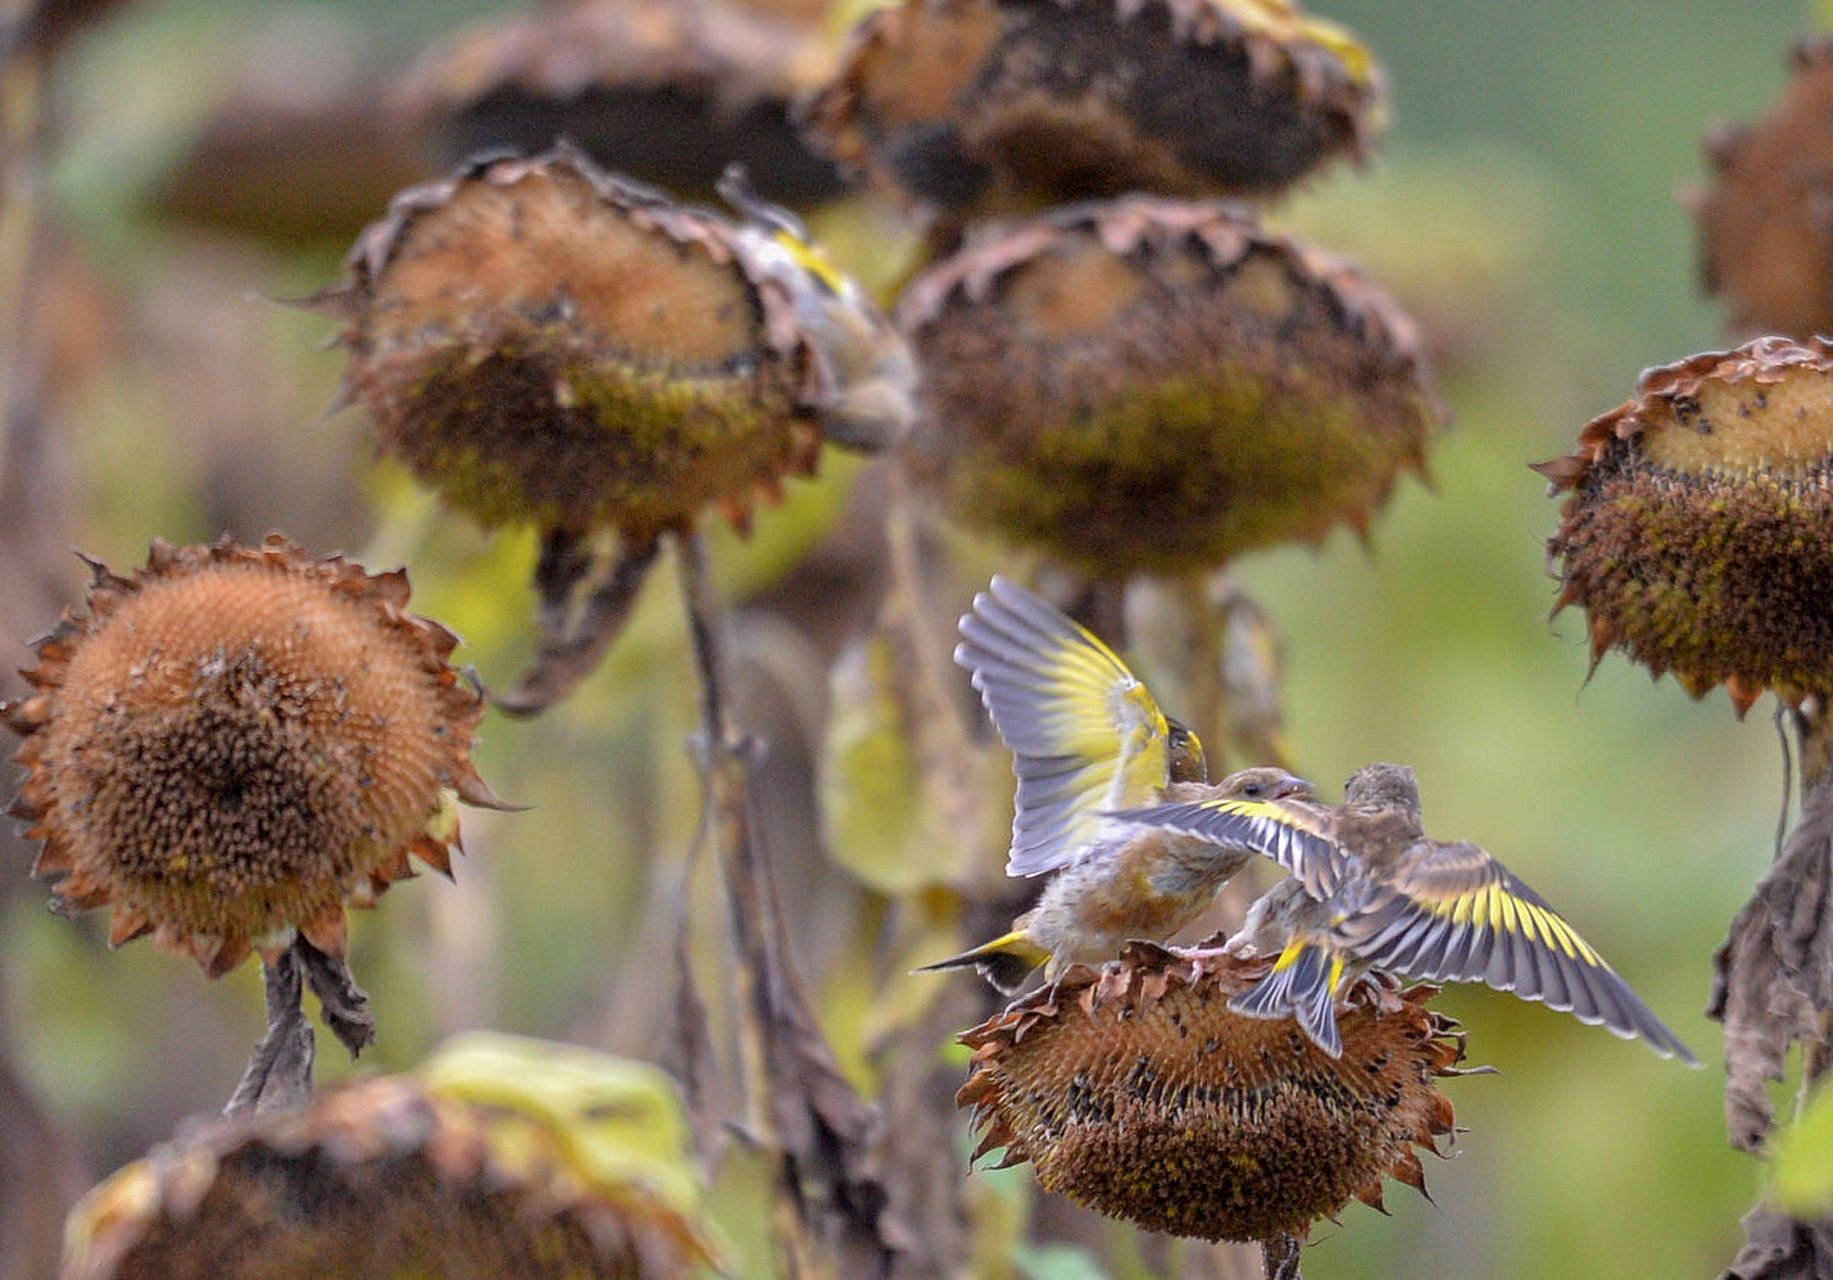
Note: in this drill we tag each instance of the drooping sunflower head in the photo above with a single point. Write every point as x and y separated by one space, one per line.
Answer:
1158 386
503 1157
668 91
1138 1093
1766 244
1698 531
236 741
543 342
979 107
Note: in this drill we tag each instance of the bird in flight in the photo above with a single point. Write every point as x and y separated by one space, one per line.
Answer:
1387 896
1088 738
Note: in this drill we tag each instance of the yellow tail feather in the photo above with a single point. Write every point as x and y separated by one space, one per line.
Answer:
1005 962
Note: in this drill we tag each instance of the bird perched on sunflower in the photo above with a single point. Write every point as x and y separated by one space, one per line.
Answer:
1393 898
1088 738
1113 798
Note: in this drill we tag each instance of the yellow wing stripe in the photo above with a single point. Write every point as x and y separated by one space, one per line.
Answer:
1250 809
1494 906
1529 921
1306 853
1085 734
813 261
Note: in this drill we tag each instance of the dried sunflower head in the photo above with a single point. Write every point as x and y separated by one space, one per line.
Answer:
1153 385
1696 534
1767 244
236 741
502 1157
544 342
670 91
1139 1094
994 106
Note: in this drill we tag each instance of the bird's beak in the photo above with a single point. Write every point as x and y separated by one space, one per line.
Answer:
1293 786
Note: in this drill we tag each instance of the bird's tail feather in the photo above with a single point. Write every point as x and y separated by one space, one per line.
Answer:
1005 962
1302 985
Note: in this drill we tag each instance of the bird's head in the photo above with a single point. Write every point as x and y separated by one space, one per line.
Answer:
1266 784
866 397
1184 753
1383 787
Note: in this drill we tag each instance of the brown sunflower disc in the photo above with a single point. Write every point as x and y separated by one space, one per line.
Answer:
235 742
1159 386
1696 534
1139 1094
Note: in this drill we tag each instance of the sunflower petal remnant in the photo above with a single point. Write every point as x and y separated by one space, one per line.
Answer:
236 742
1157 386
989 107
502 1157
1695 534
1137 1092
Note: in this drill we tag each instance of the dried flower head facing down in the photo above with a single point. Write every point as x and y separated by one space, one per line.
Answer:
1158 386
237 741
543 342
670 91
1139 1094
502 1157
976 107
1698 534
1767 243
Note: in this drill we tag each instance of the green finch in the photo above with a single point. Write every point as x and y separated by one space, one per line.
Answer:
1088 738
1390 897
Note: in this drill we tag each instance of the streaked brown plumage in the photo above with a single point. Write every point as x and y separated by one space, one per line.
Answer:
1131 883
1399 900
1087 738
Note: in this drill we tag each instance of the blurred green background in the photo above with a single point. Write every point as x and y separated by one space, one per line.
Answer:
1524 205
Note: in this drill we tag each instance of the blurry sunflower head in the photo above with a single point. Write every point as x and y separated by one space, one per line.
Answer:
236 741
1698 534
978 107
503 1157
544 342
1767 244
1158 386
1138 1093
669 91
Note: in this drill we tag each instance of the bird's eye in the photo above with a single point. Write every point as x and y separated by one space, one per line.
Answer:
1251 791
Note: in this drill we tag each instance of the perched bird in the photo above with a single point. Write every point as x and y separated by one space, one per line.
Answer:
1088 738
1393 898
867 372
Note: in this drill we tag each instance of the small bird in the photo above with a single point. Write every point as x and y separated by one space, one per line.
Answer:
1088 738
865 369
1393 898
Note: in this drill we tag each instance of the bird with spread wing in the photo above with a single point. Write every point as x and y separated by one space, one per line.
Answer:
1390 897
1087 738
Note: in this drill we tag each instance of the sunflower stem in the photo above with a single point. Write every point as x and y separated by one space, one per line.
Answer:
1203 683
725 758
1280 1258
279 1072
951 762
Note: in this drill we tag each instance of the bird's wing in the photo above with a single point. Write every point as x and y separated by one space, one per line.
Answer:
1292 833
1085 734
1452 912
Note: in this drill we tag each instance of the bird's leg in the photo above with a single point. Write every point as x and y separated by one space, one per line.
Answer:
279 1072
1239 946
569 653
